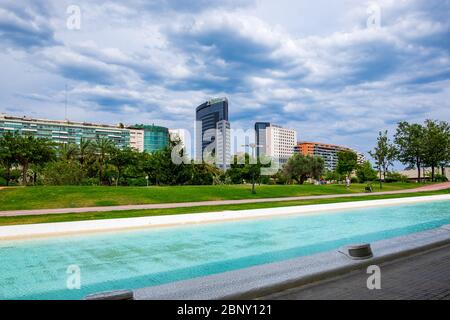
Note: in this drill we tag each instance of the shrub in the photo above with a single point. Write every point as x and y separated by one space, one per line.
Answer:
354 180
90 182
62 173
440 178
395 177
136 182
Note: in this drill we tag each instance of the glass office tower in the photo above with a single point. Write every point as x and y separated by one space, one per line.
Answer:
260 138
213 128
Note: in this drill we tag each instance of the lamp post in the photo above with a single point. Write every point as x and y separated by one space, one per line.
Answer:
253 146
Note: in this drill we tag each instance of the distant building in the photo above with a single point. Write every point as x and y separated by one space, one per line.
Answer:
139 137
155 137
213 127
65 131
178 135
275 141
328 152
425 173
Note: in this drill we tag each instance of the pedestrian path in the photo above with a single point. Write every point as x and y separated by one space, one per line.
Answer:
421 277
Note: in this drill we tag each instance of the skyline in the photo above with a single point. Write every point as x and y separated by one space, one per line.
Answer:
320 70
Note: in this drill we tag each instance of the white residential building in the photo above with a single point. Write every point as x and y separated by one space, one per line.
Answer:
223 145
137 139
275 141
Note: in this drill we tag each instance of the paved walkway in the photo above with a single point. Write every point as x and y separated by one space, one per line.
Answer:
440 186
421 277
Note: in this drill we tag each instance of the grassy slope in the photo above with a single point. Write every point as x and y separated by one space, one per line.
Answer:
74 197
157 212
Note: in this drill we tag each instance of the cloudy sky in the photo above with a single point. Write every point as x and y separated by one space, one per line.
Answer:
336 71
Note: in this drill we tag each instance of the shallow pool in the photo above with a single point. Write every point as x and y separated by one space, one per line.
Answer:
37 269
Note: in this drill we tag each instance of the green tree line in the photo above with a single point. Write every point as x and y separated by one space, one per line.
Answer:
416 146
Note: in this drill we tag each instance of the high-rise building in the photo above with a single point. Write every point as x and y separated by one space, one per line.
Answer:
213 128
328 152
275 141
260 138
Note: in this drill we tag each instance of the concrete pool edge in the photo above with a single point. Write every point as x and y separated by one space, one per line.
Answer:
261 280
29 231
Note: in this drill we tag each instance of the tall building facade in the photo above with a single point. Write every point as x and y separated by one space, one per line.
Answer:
140 137
260 138
213 128
328 152
275 141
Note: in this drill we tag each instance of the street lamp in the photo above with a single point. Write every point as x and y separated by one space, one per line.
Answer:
253 146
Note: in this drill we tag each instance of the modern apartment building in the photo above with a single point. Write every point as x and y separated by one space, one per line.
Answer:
141 138
65 131
328 152
213 127
275 141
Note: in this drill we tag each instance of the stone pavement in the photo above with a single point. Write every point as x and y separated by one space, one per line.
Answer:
425 276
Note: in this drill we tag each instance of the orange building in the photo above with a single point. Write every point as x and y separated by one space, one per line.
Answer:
328 152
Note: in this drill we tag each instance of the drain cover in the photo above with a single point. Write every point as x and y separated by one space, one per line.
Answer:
358 251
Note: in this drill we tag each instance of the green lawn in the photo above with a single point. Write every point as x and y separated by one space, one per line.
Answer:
20 198
157 212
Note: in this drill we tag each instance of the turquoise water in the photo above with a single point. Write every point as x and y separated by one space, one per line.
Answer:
36 269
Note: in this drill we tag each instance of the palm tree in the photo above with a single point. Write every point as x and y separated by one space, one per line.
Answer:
103 148
68 151
86 150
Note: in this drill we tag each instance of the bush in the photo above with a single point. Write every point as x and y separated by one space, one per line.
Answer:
62 173
440 178
90 182
395 177
136 182
354 180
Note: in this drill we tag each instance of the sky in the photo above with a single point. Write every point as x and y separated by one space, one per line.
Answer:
336 71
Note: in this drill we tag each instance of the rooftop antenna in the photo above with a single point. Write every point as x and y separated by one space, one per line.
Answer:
65 103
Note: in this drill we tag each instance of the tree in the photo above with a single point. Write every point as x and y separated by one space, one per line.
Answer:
365 172
301 167
121 158
384 155
8 143
85 151
347 162
63 173
436 144
103 148
68 151
410 142
31 150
